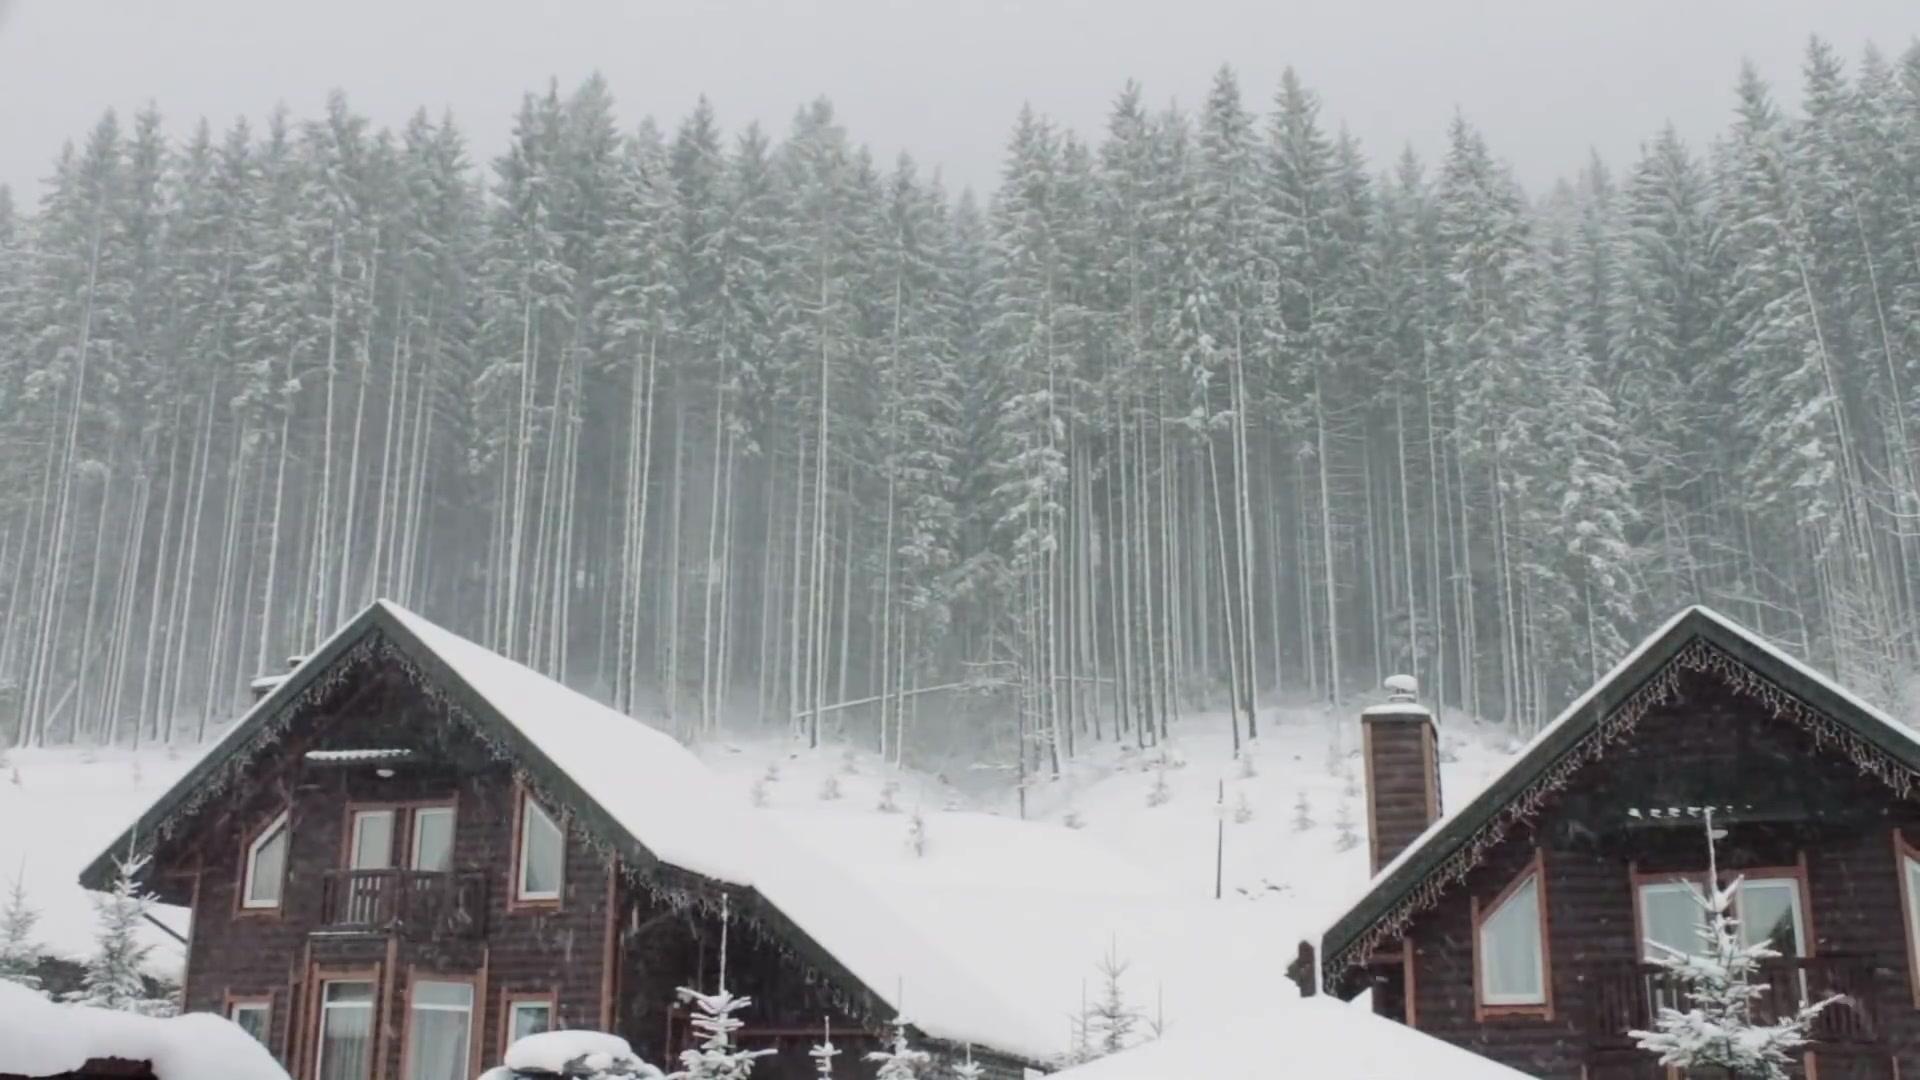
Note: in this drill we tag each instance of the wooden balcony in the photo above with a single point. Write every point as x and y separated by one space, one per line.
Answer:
1629 996
416 903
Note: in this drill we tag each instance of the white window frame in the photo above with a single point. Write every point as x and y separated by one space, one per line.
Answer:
264 1008
1690 885
415 1005
413 843
353 847
1529 880
276 829
320 1033
515 1006
529 807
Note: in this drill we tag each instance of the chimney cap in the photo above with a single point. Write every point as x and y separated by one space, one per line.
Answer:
1402 688
1402 700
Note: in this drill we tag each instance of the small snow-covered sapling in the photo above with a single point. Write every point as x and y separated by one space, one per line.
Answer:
830 788
1351 789
848 763
1242 809
19 956
917 833
969 1069
1345 837
889 804
1072 819
1245 769
1302 812
900 1061
1159 793
758 793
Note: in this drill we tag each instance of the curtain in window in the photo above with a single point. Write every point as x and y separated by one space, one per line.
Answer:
439 1031
1510 960
346 1031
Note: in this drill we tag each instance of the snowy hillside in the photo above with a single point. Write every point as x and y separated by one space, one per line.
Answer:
1103 863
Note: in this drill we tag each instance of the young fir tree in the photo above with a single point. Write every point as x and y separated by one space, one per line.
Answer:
824 1052
18 954
112 979
900 1061
1111 1022
1717 1029
969 1069
716 1058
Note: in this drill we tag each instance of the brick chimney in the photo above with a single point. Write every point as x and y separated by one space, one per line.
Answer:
1403 770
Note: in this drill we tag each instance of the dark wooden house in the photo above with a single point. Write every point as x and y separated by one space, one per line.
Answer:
412 850
1520 925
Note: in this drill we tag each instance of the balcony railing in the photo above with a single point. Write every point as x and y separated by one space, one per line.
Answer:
1629 997
418 903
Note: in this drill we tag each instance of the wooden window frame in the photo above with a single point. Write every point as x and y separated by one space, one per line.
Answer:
235 1002
476 1014
403 811
350 840
1535 870
316 1043
250 844
510 998
1902 852
516 899
1797 873
412 842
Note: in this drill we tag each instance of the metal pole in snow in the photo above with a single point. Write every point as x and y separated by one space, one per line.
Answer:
1219 838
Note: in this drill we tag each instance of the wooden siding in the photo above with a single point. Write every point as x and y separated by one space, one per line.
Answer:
1403 794
1710 747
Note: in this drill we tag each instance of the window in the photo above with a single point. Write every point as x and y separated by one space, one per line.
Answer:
1910 894
346 1031
433 839
439 1030
1769 910
1512 968
372 840
253 1017
541 849
266 866
1671 918
528 1016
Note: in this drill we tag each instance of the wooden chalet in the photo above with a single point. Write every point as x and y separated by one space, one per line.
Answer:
411 851
1520 925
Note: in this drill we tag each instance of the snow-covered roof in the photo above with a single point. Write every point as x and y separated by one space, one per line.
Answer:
666 801
1447 834
1316 1036
41 1038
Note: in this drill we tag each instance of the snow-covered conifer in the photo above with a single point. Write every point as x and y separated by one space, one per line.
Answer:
830 788
1302 812
714 1023
1717 1028
1242 809
823 1052
18 953
1346 837
1112 1020
889 801
917 833
113 979
900 1061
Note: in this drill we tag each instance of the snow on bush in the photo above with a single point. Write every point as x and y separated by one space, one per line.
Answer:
584 1055
39 1037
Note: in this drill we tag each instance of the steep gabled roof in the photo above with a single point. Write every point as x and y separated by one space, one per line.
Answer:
640 794
1697 639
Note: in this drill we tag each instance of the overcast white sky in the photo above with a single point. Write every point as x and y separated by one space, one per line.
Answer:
1546 79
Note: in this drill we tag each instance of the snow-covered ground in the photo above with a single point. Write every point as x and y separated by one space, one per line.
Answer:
1030 907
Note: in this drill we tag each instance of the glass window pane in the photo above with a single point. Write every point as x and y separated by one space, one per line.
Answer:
439 1036
530 1018
442 995
1770 912
1670 915
540 852
372 840
1511 967
267 866
1913 894
433 839
346 1032
252 1019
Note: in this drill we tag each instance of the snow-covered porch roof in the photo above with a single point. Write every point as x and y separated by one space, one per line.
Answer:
1699 639
642 798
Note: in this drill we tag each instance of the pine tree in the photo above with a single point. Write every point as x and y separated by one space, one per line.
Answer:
823 1052
1112 1020
19 956
713 1020
900 1061
113 978
1717 1028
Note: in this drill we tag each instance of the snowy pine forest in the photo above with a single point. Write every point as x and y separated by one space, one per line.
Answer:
1211 407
